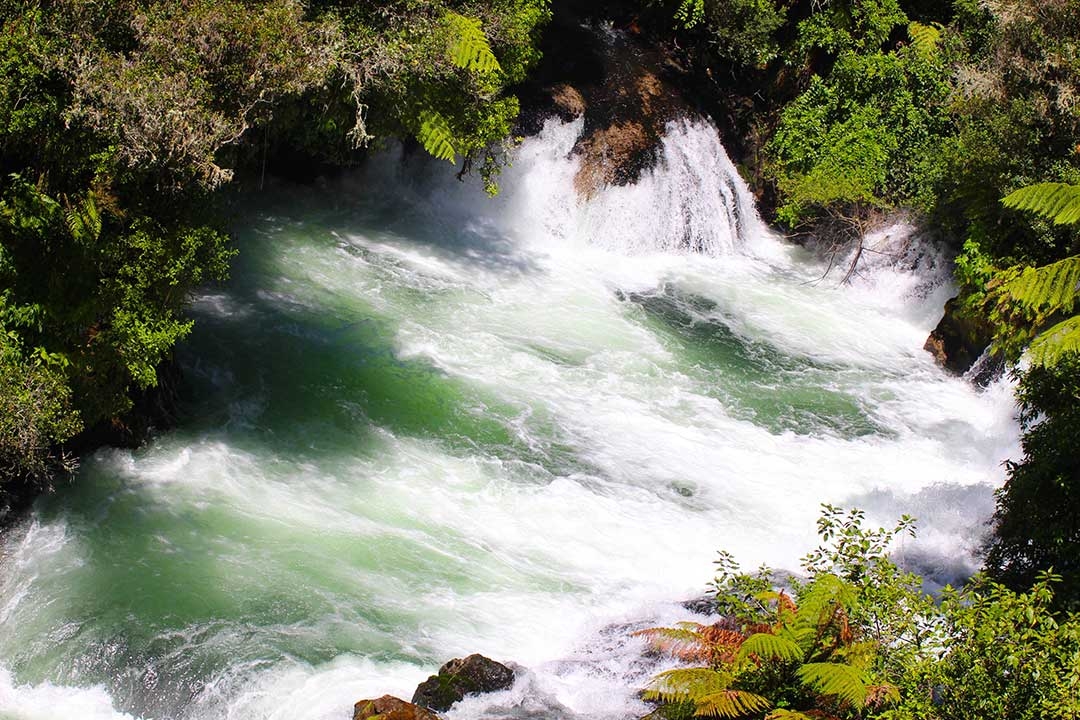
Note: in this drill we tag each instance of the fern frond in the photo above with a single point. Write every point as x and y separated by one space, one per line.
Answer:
769 647
785 714
83 219
883 694
731 704
469 46
1059 202
841 681
925 38
683 684
686 642
1052 288
1050 345
436 136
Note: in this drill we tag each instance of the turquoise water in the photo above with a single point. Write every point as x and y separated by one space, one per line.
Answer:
418 423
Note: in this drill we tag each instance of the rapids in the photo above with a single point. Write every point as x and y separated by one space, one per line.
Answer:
423 423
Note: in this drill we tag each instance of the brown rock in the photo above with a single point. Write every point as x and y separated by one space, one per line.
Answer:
389 707
461 677
958 340
569 102
609 155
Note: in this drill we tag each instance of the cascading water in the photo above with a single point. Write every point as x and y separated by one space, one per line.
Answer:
424 423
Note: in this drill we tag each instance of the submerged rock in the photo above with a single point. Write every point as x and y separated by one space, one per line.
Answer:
389 707
461 677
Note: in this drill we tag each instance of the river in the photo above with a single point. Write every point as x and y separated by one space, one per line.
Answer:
421 423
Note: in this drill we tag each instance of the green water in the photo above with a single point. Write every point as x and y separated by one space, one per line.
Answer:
418 424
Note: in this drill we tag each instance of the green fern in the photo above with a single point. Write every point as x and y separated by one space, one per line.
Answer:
1049 288
436 136
844 682
83 220
1058 202
687 684
785 714
1051 345
771 647
731 704
925 38
469 46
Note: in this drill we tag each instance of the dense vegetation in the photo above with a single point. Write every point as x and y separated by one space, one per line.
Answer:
121 122
858 638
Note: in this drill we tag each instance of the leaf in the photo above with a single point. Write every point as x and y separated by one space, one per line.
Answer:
731 704
682 684
1053 288
1059 202
436 136
769 647
784 714
469 46
1050 345
842 681
925 38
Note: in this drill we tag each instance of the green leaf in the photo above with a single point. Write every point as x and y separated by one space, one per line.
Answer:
784 714
768 647
436 136
1059 202
682 684
731 704
468 46
1053 288
925 38
840 680
1050 345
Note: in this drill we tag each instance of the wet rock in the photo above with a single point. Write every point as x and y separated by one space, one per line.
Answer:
389 707
568 101
704 605
627 87
958 340
461 677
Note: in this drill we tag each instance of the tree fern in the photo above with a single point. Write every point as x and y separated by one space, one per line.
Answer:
436 136
1049 288
771 647
844 682
687 684
731 704
1058 202
925 38
469 46
1050 345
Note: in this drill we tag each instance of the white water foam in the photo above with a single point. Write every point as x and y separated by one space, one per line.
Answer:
593 334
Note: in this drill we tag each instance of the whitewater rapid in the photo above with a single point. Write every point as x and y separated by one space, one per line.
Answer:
424 423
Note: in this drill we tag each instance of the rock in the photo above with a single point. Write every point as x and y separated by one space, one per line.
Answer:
389 707
461 677
569 102
626 88
957 341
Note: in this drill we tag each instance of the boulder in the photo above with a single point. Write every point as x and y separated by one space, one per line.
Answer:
958 340
461 677
389 707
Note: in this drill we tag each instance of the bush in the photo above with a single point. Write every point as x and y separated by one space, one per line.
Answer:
857 638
